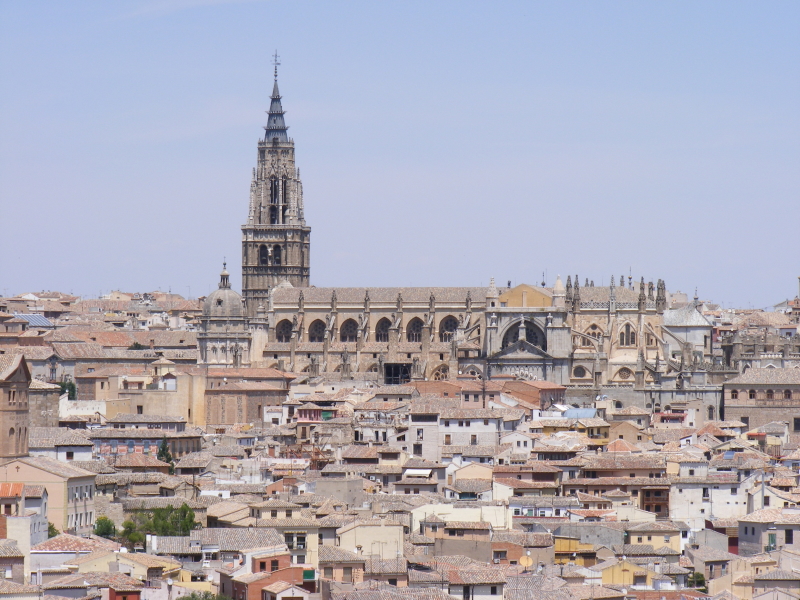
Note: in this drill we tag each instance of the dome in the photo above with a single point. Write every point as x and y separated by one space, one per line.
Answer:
223 303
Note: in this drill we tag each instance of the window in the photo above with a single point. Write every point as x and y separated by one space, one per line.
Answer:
276 255
140 410
734 394
262 566
327 572
414 331
283 332
70 455
349 331
766 500
691 472
493 590
316 331
447 328
752 394
788 536
770 395
745 420
627 337
347 574
787 394
448 441
382 330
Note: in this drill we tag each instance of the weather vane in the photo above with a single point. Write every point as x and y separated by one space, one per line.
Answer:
276 60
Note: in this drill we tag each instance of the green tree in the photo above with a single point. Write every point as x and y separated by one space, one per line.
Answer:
104 527
205 596
164 455
160 521
137 346
698 581
131 534
51 530
68 388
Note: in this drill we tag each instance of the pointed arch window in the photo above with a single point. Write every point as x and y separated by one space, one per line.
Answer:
316 332
447 328
276 255
382 330
349 331
532 336
627 337
414 331
263 255
283 332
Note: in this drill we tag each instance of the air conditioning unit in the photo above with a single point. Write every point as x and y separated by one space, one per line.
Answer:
497 561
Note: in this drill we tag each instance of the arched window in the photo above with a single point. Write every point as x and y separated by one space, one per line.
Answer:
276 255
283 332
263 255
532 336
734 394
710 413
787 394
770 395
627 337
752 394
441 373
579 372
414 331
382 330
617 404
348 331
316 332
447 328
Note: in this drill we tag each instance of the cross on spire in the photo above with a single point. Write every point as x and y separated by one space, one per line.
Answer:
276 61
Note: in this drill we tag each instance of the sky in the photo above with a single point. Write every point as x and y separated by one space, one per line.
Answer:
440 143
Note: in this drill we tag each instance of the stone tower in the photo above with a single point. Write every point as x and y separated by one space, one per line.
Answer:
275 239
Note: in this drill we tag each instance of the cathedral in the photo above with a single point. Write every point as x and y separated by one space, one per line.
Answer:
591 338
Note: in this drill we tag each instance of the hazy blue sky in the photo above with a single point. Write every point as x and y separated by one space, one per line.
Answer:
440 143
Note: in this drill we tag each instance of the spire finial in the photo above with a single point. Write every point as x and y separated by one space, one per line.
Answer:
276 61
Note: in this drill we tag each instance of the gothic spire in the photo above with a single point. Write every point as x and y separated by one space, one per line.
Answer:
276 126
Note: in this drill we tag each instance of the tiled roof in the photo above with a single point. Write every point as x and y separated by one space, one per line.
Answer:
9 549
136 418
766 377
777 575
521 484
327 553
131 460
471 485
65 542
56 467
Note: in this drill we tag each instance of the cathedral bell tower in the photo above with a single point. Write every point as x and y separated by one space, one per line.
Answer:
275 239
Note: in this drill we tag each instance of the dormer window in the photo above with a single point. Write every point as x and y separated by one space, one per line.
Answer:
219 302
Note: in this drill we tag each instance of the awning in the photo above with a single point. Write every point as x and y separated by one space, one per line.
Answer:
418 473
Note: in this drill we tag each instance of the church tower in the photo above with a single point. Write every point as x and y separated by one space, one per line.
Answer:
275 239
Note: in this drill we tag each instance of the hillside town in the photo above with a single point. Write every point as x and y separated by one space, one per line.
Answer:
584 438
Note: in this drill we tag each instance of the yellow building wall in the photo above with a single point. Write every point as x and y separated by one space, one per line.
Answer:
525 295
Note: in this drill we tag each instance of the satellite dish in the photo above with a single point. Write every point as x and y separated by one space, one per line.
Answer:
169 581
526 561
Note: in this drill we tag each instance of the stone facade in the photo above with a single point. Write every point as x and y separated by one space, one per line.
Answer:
275 239
15 378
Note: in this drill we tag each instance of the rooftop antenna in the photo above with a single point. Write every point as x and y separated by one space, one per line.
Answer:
276 61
